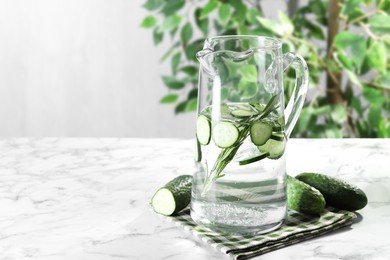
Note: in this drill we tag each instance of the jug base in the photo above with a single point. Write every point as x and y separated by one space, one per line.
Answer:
237 229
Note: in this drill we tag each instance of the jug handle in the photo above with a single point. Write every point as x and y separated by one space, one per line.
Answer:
295 104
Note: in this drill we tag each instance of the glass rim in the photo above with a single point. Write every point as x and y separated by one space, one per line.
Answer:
266 42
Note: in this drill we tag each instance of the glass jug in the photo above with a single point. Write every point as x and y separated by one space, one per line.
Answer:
239 185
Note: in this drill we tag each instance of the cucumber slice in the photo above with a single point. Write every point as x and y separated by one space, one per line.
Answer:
203 130
174 196
254 159
225 134
275 148
260 132
243 113
277 137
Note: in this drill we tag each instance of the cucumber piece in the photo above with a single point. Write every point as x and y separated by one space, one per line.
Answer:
304 198
174 196
277 137
260 132
243 113
337 193
203 130
254 159
275 148
225 134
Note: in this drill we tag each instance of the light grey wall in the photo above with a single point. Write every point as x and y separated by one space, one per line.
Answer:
83 68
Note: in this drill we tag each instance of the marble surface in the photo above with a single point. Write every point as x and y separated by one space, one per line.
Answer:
89 199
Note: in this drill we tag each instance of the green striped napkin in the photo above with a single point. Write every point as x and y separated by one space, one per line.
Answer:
297 227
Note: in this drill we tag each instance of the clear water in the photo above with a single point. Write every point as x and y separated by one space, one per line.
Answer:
248 198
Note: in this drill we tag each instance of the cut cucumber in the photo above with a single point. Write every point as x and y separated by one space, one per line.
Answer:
174 196
260 132
254 159
277 137
225 134
275 148
203 130
243 113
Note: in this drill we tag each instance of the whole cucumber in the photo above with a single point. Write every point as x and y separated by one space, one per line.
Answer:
304 198
337 193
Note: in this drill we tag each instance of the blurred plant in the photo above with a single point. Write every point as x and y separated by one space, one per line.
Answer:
353 56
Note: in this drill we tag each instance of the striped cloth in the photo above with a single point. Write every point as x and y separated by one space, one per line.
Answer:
297 227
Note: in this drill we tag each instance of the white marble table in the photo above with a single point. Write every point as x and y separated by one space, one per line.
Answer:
88 199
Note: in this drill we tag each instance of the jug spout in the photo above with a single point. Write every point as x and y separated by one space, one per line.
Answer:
210 59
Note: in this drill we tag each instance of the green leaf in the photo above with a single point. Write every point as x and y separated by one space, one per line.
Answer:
271 25
384 80
249 73
338 114
186 33
377 56
175 62
157 36
383 129
332 131
322 110
385 6
356 104
343 60
362 128
170 23
181 107
287 25
374 115
203 24
225 13
373 96
349 6
355 42
172 6
314 30
149 21
380 24
172 82
208 8
192 94
354 79
173 32
193 48
239 11
152 5
305 118
169 99
191 105
190 70
320 9
357 13
252 14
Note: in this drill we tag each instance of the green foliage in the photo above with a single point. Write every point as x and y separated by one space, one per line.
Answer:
360 52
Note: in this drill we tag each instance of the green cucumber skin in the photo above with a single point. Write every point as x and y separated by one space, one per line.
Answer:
337 193
304 198
180 187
